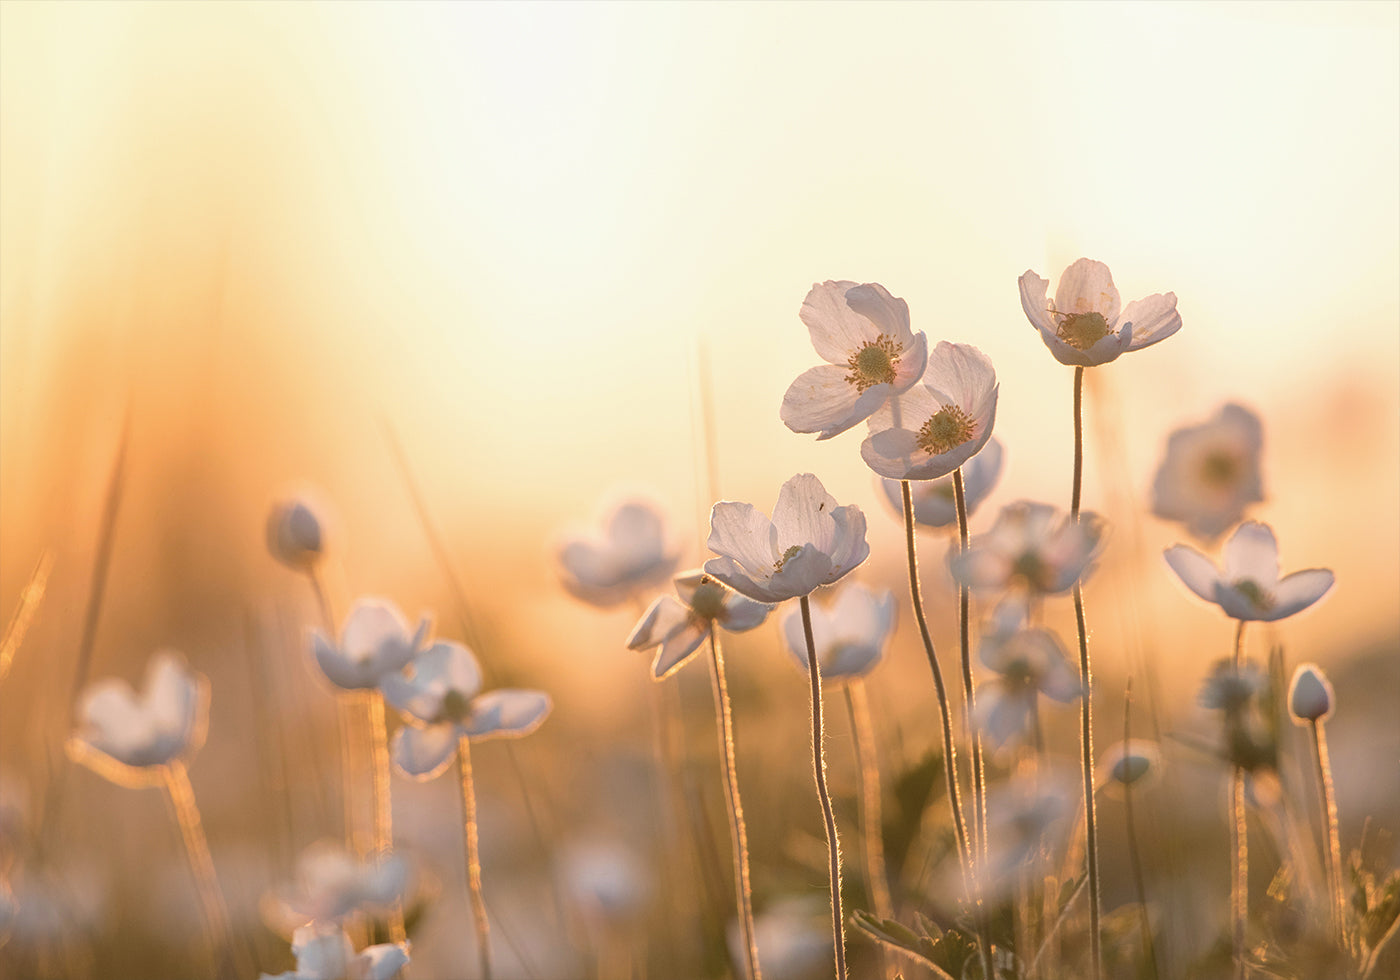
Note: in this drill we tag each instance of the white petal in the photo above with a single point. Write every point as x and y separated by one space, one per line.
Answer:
890 314
741 532
1240 605
1087 287
734 575
1153 318
662 618
507 713
980 474
1251 554
321 953
836 330
636 527
963 372
803 515
1000 714
802 574
821 400
794 637
1195 569
423 753
913 361
334 664
1107 349
864 614
373 624
742 613
850 660
1034 302
444 668
892 453
679 647
1300 590
850 547
381 962
935 467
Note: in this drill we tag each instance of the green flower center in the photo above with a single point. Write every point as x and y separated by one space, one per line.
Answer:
455 706
949 428
707 604
1082 330
788 555
1257 595
1030 567
874 363
1220 469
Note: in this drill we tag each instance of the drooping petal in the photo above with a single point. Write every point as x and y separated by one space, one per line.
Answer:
678 648
803 573
837 331
741 532
850 546
1153 318
803 514
1300 590
738 578
663 618
889 314
1251 555
424 753
1087 287
506 713
821 400
892 453
742 613
1194 569
1034 301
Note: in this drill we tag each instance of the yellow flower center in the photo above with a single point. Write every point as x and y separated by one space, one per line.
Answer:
788 555
874 363
1220 469
1082 330
1258 596
949 428
707 603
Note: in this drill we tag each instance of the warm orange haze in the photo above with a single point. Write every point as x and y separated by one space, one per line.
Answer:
462 278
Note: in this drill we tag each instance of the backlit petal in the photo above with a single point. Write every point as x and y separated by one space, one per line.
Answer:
506 713
423 753
1195 569
1087 287
1300 590
821 400
1153 318
1251 554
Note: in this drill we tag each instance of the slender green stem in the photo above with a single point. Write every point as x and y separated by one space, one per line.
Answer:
1134 857
1334 844
1086 702
833 843
739 833
177 785
383 802
950 752
471 846
1239 843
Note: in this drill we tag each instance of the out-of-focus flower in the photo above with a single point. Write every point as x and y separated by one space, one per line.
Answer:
374 641
1034 546
791 939
1227 689
1249 741
606 880
850 634
327 954
631 555
1132 763
1084 326
331 884
1310 695
1248 586
1210 472
128 737
295 534
934 504
439 697
863 333
1030 662
1019 813
810 542
936 426
679 626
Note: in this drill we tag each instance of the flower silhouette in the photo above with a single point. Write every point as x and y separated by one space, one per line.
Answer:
632 554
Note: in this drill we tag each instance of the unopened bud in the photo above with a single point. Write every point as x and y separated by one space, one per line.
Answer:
294 535
1310 696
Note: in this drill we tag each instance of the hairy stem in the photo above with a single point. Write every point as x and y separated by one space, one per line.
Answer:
833 843
383 802
1239 843
471 845
177 785
1134 857
1334 844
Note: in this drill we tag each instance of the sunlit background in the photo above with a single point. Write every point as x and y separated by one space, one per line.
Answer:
522 239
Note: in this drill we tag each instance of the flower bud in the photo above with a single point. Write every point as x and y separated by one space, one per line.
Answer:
1310 696
294 535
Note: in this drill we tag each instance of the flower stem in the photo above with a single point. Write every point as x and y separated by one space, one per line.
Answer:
1086 701
871 815
1334 844
383 802
979 772
177 785
1135 858
473 857
737 829
950 752
833 843
1239 842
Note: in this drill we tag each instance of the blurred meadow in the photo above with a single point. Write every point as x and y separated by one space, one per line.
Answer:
526 260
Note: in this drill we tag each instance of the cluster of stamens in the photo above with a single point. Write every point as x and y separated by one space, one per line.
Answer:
947 429
1220 468
707 604
1260 597
788 555
874 363
1081 330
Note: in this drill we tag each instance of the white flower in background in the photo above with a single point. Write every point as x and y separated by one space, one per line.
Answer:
939 424
438 696
295 534
810 542
934 505
331 884
1033 546
327 954
374 641
1132 763
1029 662
1228 689
631 555
863 334
127 737
850 634
1210 472
679 626
793 940
1248 586
605 880
1083 326
1310 695
1020 812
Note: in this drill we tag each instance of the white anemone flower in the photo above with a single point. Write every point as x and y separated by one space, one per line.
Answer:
438 696
632 554
810 542
1248 586
934 503
1210 472
1083 326
863 334
679 626
129 737
374 641
331 884
850 634
939 424
327 954
295 534
1031 545
1029 662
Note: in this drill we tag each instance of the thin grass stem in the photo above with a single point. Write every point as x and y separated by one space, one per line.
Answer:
471 847
1134 857
833 843
216 920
